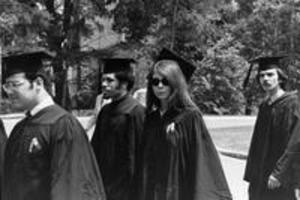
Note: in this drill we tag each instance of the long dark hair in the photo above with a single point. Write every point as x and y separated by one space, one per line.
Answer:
180 97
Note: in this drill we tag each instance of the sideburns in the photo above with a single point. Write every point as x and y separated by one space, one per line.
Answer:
31 85
121 85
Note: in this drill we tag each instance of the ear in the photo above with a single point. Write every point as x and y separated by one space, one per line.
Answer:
39 81
123 85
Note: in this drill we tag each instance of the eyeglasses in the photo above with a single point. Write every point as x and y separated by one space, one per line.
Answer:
8 86
108 79
156 81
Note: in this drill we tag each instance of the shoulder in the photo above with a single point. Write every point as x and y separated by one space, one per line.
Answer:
291 97
52 115
132 106
189 117
190 113
67 126
289 101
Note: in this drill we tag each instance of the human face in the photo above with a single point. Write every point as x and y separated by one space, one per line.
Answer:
161 87
21 92
110 86
269 80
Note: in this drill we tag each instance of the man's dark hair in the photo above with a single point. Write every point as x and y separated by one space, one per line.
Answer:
33 76
126 77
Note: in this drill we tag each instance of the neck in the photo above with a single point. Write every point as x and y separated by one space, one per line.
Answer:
163 106
275 94
41 96
120 96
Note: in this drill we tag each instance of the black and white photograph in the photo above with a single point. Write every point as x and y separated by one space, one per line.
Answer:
149 100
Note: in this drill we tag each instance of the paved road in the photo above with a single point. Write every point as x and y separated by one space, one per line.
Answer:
234 171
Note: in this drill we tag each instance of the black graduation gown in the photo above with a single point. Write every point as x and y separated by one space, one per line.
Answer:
183 165
48 157
3 138
269 150
116 141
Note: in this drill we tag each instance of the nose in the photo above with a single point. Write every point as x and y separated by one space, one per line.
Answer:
104 83
7 90
160 84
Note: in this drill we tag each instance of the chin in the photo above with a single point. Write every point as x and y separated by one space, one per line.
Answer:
106 96
18 107
268 89
162 98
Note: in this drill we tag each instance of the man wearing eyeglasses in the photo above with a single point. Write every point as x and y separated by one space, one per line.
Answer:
48 155
117 135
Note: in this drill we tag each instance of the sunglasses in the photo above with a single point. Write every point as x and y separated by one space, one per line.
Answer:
156 81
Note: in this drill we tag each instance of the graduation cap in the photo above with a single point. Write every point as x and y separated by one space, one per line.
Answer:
114 65
186 67
31 62
264 63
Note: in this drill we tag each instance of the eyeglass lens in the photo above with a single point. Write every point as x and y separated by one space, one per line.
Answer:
156 81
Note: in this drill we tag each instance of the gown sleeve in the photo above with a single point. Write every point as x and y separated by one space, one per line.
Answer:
74 171
255 147
287 169
136 129
206 178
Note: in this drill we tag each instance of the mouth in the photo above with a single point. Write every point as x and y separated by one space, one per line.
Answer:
105 91
162 91
12 98
14 101
161 94
266 83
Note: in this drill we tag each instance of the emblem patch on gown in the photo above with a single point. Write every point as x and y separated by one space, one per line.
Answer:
34 145
170 128
172 134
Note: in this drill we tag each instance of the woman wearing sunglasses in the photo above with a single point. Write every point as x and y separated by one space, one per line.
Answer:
180 161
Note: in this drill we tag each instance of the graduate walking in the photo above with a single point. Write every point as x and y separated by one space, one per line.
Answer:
48 155
179 161
118 130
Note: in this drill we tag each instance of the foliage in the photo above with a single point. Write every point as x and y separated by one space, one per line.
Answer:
218 86
217 36
56 25
272 28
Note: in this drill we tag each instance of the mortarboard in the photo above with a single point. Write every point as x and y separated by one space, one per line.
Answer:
114 65
31 62
264 63
186 67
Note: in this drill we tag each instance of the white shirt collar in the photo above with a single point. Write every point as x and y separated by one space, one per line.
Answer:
48 101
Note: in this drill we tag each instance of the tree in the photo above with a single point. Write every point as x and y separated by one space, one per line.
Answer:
272 28
55 25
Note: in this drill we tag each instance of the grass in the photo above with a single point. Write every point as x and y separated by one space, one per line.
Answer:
232 138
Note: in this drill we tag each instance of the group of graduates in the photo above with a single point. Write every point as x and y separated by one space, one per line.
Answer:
160 151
